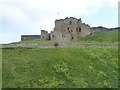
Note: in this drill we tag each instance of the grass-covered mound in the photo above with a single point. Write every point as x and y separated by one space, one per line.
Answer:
60 67
101 37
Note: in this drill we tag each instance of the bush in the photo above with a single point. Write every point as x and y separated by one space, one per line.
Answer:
56 44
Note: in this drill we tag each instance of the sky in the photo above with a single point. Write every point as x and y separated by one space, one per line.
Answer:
24 17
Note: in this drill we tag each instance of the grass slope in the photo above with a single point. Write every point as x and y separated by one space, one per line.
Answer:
60 67
101 37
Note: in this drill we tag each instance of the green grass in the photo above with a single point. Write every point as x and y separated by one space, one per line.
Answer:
85 67
101 37
60 67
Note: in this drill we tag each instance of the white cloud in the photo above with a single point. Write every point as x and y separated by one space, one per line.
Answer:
9 37
30 16
113 3
12 17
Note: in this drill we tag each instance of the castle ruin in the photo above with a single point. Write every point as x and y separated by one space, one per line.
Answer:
67 29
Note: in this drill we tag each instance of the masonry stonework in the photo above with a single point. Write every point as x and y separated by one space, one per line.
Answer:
67 29
45 35
29 37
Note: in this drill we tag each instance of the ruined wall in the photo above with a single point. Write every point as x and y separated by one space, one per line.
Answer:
29 37
98 29
69 29
65 30
85 30
102 29
45 35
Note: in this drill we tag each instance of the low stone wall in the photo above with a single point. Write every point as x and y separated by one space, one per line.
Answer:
30 37
60 45
26 46
102 29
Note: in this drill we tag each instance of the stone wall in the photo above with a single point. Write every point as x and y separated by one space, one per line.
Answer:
60 45
69 29
45 35
29 37
102 29
98 29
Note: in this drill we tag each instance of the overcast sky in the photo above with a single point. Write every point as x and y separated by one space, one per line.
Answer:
30 16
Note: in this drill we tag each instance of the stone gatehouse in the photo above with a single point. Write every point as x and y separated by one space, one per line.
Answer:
67 29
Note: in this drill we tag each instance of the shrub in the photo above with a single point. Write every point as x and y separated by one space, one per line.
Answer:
56 44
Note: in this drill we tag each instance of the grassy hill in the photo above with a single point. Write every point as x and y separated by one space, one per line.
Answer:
101 37
60 67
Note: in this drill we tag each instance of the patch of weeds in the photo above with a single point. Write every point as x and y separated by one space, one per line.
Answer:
48 82
60 68
56 44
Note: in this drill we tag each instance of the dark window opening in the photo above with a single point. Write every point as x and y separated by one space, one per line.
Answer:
70 22
68 28
49 38
53 35
71 38
69 31
43 36
79 29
